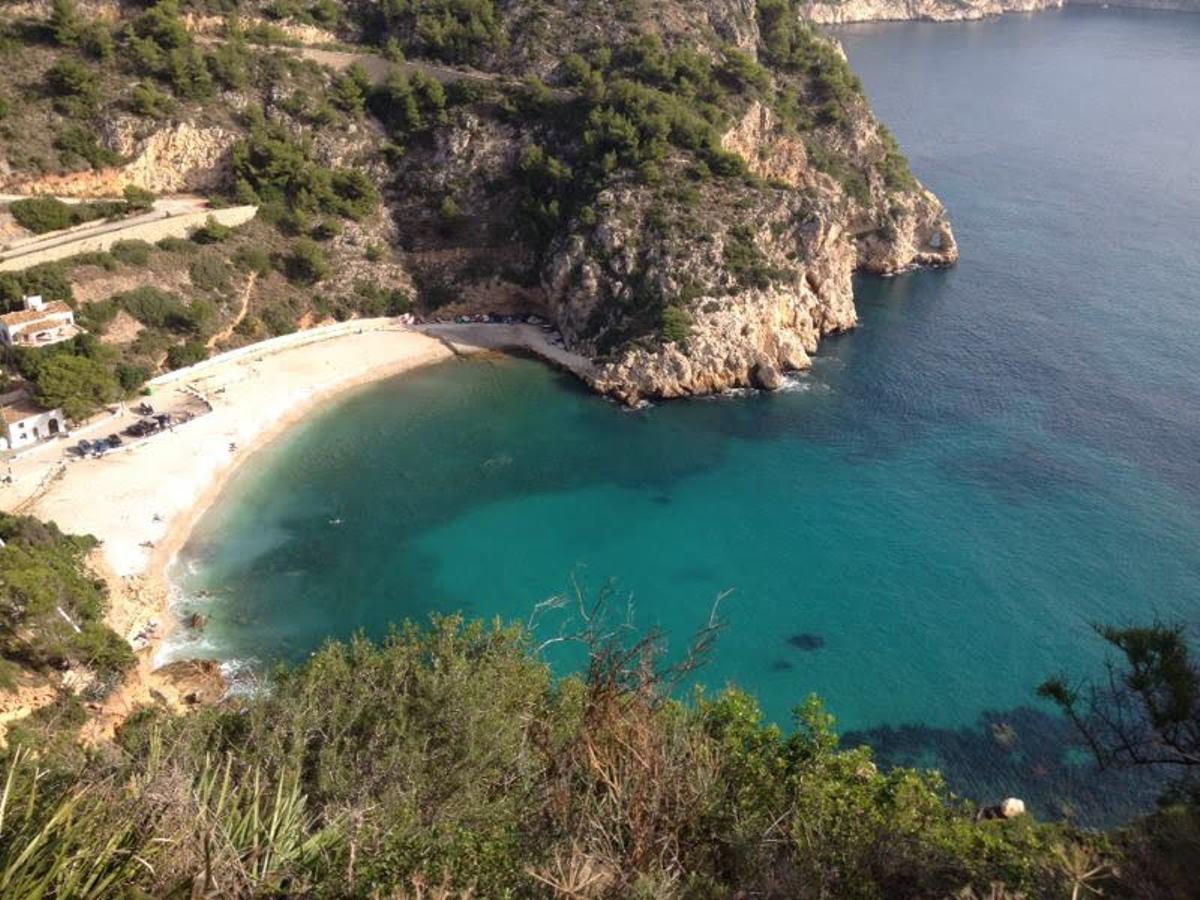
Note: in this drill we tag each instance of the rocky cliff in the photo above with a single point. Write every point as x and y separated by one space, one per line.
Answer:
712 263
683 188
755 280
839 12
843 11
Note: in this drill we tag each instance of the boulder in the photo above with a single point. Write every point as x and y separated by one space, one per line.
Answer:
1008 808
766 376
1011 807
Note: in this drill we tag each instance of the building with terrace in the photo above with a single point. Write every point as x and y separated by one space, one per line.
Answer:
39 324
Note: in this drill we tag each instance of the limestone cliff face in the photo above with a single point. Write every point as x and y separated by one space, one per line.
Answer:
180 157
739 335
765 274
843 11
839 12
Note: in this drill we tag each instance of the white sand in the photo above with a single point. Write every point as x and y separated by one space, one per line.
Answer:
143 500
152 492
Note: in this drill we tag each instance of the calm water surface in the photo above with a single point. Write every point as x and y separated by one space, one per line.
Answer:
1002 455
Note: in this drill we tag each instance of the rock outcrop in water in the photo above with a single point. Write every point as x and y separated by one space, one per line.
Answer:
766 272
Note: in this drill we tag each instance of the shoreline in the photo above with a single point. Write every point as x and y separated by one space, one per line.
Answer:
142 503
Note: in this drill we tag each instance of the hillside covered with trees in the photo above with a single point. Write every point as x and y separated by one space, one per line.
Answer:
639 174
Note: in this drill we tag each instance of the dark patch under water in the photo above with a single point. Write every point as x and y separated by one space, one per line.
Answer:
806 641
1024 753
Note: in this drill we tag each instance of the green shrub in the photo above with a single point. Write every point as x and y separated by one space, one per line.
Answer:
746 262
675 324
75 84
894 166
177 245
326 230
66 26
150 102
138 199
43 572
278 320
253 259
277 169
51 280
43 214
132 253
97 41
350 88
131 377
842 170
76 384
187 354
307 262
211 232
456 31
77 143
210 272
157 308
98 315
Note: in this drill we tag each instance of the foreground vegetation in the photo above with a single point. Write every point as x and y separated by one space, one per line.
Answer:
451 757
51 607
447 761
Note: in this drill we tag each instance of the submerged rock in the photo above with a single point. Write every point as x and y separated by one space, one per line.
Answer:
1004 735
806 641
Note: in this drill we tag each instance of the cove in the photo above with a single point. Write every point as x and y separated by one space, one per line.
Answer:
919 530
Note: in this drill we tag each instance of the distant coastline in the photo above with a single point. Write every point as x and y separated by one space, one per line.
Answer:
849 12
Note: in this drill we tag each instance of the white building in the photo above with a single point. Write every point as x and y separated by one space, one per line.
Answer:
38 324
25 423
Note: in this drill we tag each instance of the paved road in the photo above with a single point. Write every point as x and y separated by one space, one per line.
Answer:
378 68
164 208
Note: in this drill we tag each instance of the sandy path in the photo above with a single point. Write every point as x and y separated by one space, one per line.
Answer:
241 313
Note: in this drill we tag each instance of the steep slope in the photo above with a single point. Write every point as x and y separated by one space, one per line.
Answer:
690 203
684 188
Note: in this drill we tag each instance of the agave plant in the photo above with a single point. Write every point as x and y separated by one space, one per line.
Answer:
62 845
264 839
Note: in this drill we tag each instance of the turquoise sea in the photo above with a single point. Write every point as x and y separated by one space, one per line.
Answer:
920 529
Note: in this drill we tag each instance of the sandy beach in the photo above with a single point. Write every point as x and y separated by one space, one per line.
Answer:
143 500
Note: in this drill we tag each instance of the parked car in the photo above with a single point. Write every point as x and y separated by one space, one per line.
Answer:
113 441
83 448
